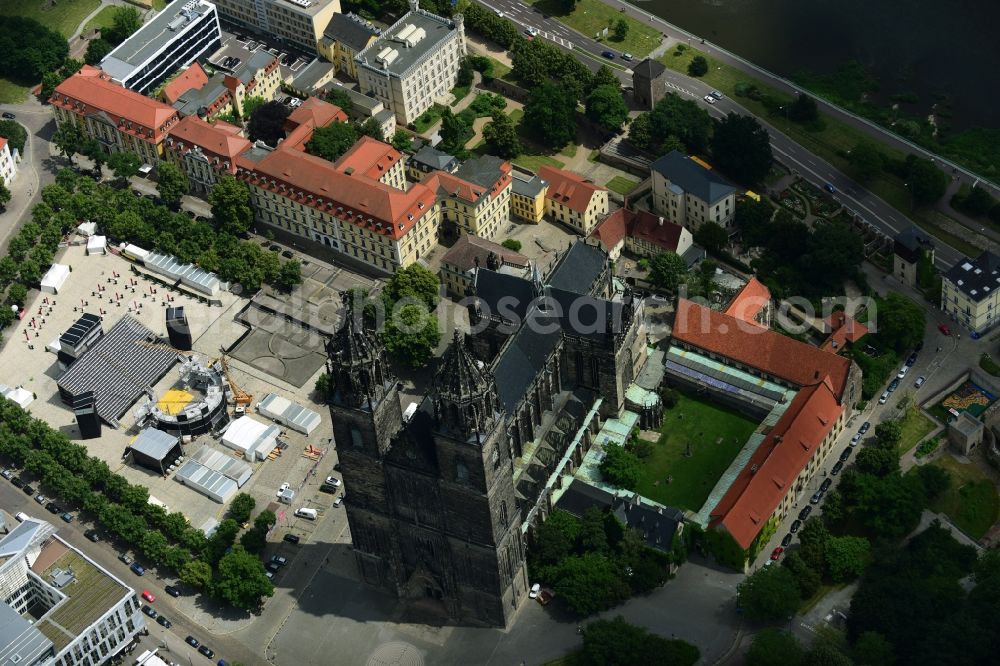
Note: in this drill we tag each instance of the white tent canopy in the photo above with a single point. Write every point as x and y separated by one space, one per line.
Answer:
254 439
87 229
54 278
97 245
288 413
21 396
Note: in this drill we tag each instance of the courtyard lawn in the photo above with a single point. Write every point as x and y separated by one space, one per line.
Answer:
915 427
104 19
63 16
535 162
12 93
716 435
591 16
972 501
622 185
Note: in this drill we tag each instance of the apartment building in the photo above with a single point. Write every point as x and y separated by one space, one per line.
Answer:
970 292
413 63
475 199
689 194
8 163
573 200
527 197
345 36
299 23
60 607
645 235
427 160
195 93
205 150
120 119
470 252
172 40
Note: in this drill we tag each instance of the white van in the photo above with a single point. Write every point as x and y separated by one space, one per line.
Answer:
311 514
21 516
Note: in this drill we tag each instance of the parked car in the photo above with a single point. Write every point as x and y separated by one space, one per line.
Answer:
8 115
138 569
845 455
911 359
627 57
787 540
92 535
716 94
776 553
148 596
272 567
336 467
125 558
207 651
291 538
164 622
149 611
192 641
287 254
28 490
944 329
67 517
172 591
816 497
804 513
274 248
279 560
7 474
709 99
864 427
17 482
894 385
41 499
498 13
52 507
535 589
830 188
826 484
883 398
332 481
920 381
796 524
839 465
856 439
339 500
610 55
902 372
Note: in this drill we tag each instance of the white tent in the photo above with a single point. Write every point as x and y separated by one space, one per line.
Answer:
97 245
54 278
133 252
254 439
87 229
288 413
21 396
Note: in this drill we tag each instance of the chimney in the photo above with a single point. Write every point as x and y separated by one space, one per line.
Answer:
661 221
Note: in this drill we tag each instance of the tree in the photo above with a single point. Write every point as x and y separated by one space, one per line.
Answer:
698 66
683 119
171 183
877 460
414 281
265 520
230 200
607 108
935 480
617 643
196 573
267 123
605 76
742 148
125 22
712 237
926 181
620 467
640 131
501 136
847 557
241 581
241 507
769 594
4 195
872 649
589 583
466 74
124 164
93 149
289 276
551 115
888 434
554 540
803 109
807 578
323 385
866 161
15 134
254 540
339 98
332 141
978 201
900 322
512 244
455 132
774 647
96 50
68 139
402 140
154 546
667 270
412 334
30 49
620 30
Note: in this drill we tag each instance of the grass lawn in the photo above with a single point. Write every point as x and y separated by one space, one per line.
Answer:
569 150
63 16
592 16
104 19
703 425
535 162
428 118
915 427
12 93
622 185
972 501
460 93
500 70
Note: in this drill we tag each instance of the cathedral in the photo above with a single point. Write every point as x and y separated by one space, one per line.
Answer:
442 501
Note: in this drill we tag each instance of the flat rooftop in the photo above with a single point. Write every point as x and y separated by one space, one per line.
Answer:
152 36
307 7
434 29
90 594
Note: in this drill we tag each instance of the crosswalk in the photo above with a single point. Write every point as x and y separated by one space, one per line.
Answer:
513 13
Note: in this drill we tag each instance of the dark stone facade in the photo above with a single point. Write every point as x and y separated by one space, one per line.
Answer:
649 83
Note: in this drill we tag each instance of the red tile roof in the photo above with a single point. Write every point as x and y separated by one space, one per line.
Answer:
468 248
316 111
777 463
612 229
654 229
193 78
3 142
842 329
758 347
570 189
369 157
750 300
90 92
220 139
356 198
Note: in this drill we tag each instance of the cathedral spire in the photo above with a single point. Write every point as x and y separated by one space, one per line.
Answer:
359 374
464 391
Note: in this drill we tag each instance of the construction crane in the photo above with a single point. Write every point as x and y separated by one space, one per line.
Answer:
240 397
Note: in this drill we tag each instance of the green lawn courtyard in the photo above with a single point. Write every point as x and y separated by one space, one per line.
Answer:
63 16
591 16
915 427
715 434
972 501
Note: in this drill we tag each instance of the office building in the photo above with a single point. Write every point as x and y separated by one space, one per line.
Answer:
970 292
298 23
176 37
527 197
8 163
413 63
687 193
475 199
344 37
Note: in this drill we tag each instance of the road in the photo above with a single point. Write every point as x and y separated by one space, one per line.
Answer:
33 173
13 500
880 214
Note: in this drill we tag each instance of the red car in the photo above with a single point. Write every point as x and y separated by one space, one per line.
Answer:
944 329
777 553
148 596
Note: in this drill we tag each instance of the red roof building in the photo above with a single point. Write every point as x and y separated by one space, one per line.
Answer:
752 303
316 112
574 200
843 329
203 150
641 233
192 78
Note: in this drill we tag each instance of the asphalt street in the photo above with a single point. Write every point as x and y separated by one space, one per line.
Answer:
33 172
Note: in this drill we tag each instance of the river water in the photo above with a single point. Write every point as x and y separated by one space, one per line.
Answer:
926 47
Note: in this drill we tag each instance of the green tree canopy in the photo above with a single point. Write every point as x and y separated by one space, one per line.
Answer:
620 30
551 115
455 132
615 642
698 66
15 134
926 181
96 50
4 195
241 507
125 164
847 557
197 574
267 123
501 136
402 140
774 647
171 183
803 109
900 322
589 583
332 141
414 281
711 236
741 148
667 270
683 119
866 161
606 107
30 49
620 467
512 244
124 23
877 460
289 276
241 581
230 200
769 594
412 334
605 76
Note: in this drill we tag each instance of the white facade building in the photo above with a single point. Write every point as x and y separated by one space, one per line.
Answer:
8 164
80 612
413 63
688 194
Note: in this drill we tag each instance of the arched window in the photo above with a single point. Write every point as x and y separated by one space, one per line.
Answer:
461 472
356 438
503 514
